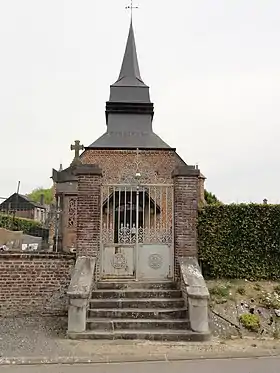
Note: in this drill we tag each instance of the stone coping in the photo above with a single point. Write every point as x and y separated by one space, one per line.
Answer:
41 255
82 278
88 169
193 279
64 176
186 171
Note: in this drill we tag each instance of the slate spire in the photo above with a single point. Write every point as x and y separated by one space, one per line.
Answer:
130 87
130 72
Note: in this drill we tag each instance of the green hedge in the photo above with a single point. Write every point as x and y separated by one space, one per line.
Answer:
19 224
240 241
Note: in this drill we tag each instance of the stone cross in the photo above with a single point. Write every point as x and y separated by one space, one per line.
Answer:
77 148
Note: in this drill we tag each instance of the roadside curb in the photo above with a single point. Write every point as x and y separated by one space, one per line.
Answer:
114 359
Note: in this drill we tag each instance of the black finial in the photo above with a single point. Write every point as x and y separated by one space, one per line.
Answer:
131 7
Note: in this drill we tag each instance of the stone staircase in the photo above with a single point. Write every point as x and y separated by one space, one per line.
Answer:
138 310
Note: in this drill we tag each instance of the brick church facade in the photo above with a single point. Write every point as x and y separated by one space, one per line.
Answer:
129 208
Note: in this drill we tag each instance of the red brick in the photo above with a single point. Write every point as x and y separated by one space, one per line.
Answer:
34 284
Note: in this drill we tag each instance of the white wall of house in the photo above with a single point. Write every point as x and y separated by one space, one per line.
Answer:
40 215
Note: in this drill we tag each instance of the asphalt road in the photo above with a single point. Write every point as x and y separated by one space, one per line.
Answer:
264 365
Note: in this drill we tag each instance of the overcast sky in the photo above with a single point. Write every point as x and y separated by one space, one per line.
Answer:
213 67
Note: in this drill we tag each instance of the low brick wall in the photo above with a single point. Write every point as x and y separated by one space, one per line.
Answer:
34 284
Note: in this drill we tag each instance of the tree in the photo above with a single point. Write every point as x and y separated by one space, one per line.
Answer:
35 195
210 198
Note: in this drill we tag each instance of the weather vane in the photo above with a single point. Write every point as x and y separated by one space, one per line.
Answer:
131 7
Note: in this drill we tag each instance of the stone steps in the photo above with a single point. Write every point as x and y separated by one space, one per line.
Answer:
136 324
137 313
138 310
135 293
150 335
136 303
118 285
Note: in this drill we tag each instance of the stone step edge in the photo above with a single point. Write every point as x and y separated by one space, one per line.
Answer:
159 334
147 310
135 321
148 331
137 285
140 300
140 290
130 282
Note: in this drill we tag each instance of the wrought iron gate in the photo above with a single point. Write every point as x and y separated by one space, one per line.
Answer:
137 231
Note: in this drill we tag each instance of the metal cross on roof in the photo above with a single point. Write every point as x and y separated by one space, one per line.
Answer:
77 148
131 7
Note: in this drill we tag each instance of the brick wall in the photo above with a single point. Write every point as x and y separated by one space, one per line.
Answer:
34 283
186 198
88 210
120 166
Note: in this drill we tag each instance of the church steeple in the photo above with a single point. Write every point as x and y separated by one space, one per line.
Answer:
130 87
129 111
130 72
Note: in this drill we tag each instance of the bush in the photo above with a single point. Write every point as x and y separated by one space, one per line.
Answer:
277 289
250 322
210 198
19 224
220 291
270 300
240 241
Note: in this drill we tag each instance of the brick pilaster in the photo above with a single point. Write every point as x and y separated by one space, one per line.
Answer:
186 197
88 210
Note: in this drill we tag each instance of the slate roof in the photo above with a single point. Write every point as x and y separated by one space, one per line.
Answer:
125 140
22 199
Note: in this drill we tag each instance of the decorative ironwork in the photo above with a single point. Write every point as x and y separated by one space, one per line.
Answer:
127 235
107 233
72 213
119 261
155 261
137 214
